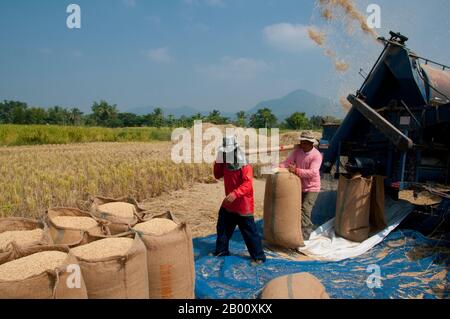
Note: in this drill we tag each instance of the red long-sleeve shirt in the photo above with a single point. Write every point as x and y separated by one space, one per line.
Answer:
240 183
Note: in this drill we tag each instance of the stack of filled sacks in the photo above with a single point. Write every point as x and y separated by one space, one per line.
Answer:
116 250
112 259
30 267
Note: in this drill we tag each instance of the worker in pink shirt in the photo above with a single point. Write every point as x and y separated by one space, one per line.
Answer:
305 161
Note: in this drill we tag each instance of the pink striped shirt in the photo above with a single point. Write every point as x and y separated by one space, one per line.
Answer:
308 168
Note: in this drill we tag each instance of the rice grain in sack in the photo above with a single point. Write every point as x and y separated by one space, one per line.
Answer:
121 213
71 226
282 210
41 272
24 232
21 237
119 210
114 268
156 226
170 257
295 286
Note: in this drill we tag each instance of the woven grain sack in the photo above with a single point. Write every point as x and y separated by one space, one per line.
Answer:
114 268
170 253
41 272
122 213
353 207
295 286
24 232
377 218
73 227
282 210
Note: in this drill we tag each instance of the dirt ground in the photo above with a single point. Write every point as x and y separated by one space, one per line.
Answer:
199 204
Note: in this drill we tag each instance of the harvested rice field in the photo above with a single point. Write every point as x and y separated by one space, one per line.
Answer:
35 178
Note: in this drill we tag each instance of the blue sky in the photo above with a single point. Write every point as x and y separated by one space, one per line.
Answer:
226 54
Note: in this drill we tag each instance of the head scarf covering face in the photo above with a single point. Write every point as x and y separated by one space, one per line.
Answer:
232 154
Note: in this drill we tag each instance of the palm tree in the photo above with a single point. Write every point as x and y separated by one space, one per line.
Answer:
241 119
75 116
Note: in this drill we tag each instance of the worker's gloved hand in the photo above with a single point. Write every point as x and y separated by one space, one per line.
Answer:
230 198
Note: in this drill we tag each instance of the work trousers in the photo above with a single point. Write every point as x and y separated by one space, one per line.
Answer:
226 225
308 202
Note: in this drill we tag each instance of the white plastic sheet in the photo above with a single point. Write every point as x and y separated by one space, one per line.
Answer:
325 245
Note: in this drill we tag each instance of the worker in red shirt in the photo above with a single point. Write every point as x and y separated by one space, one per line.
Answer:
238 206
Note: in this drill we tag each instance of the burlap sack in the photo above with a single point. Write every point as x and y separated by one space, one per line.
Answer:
296 286
72 236
282 210
117 224
120 277
57 284
377 217
18 224
353 207
170 261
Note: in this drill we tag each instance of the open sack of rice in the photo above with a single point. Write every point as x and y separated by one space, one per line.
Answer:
41 272
295 286
114 268
359 207
72 227
122 213
24 232
170 257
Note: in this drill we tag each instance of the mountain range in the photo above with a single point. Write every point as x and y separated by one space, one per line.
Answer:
296 101
300 101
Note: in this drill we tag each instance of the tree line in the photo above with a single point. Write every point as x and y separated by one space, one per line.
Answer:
106 115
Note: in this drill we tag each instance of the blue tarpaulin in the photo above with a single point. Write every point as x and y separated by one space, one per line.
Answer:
410 266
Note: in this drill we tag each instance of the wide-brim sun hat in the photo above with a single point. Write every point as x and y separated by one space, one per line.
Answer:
309 137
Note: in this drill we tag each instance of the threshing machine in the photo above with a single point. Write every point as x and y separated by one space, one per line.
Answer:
399 123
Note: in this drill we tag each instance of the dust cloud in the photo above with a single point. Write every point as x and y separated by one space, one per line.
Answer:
345 13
